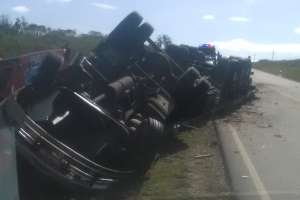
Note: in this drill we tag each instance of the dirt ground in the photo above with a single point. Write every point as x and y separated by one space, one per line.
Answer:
190 167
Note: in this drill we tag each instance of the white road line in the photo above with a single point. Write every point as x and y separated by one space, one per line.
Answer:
261 190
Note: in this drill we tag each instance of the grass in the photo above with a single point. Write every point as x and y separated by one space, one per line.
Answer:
286 68
167 178
167 181
178 175
15 44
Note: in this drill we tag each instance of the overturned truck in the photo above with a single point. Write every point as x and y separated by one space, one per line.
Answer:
230 75
100 119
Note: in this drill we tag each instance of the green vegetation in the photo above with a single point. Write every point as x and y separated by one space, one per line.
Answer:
163 40
179 175
19 36
287 68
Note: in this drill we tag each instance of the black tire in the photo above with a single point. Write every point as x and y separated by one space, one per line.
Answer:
135 41
143 33
125 28
47 72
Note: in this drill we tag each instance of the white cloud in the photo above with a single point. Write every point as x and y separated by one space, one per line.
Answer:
243 47
104 6
208 17
239 19
21 9
59 1
250 2
297 30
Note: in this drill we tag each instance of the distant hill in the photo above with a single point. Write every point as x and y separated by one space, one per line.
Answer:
286 68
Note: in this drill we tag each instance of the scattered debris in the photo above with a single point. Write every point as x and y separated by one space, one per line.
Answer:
278 135
189 126
250 111
264 125
236 120
203 156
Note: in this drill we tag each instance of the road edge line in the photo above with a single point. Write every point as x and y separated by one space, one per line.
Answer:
261 192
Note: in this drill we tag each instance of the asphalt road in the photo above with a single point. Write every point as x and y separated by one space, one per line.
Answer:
261 141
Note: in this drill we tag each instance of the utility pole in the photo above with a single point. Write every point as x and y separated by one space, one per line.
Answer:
273 53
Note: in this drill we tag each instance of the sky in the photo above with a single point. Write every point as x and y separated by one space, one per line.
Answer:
263 29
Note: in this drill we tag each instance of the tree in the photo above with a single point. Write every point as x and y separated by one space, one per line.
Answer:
32 29
5 24
95 34
48 30
24 23
163 41
70 33
19 37
42 30
17 25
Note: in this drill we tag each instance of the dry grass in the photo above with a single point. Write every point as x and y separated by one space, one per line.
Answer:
287 68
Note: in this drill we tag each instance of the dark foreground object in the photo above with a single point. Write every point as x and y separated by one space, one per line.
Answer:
101 119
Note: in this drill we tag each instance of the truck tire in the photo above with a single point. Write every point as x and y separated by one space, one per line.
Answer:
125 28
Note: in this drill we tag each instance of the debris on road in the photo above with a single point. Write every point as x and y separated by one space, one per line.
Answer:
278 135
264 125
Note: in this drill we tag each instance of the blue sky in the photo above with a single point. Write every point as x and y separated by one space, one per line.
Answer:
238 27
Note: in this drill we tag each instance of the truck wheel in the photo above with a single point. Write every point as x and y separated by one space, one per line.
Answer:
126 27
144 32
